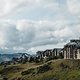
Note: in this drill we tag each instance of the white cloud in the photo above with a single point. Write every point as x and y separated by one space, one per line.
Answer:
25 35
65 32
74 6
34 32
8 6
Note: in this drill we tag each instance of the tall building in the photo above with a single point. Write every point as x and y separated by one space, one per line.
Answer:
72 49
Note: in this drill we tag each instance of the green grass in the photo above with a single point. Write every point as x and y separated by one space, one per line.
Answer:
52 70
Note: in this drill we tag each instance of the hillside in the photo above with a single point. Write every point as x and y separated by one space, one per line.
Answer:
52 70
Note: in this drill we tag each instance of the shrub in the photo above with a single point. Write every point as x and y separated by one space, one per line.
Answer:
43 68
29 71
64 66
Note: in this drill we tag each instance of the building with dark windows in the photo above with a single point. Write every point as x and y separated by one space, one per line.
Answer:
46 53
72 49
39 54
50 53
58 51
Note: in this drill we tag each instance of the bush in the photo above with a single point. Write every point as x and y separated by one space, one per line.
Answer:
64 66
5 78
29 71
43 68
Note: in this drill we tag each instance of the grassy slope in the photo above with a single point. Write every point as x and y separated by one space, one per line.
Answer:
13 71
59 70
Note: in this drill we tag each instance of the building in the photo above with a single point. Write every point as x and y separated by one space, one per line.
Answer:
46 53
39 54
72 49
50 53
58 51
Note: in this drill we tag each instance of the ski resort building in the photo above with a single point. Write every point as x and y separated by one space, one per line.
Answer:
56 52
72 49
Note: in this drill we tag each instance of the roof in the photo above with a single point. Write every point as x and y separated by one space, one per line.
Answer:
75 40
57 48
75 43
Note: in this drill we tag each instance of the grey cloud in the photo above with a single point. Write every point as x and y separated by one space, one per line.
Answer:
24 35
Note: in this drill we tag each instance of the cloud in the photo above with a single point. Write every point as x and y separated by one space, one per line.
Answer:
6 6
9 6
26 31
74 6
37 24
7 34
23 35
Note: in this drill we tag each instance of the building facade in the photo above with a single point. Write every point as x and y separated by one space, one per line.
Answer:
50 53
72 50
58 51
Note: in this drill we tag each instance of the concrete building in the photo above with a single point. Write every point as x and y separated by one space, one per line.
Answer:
72 49
50 53
46 53
40 54
58 51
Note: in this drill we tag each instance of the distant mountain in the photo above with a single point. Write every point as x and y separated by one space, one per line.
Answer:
8 57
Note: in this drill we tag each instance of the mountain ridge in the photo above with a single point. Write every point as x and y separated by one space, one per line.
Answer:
8 57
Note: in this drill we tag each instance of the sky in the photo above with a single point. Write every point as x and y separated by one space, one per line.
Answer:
32 25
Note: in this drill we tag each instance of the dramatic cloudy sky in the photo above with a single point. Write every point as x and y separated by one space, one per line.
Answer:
31 25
